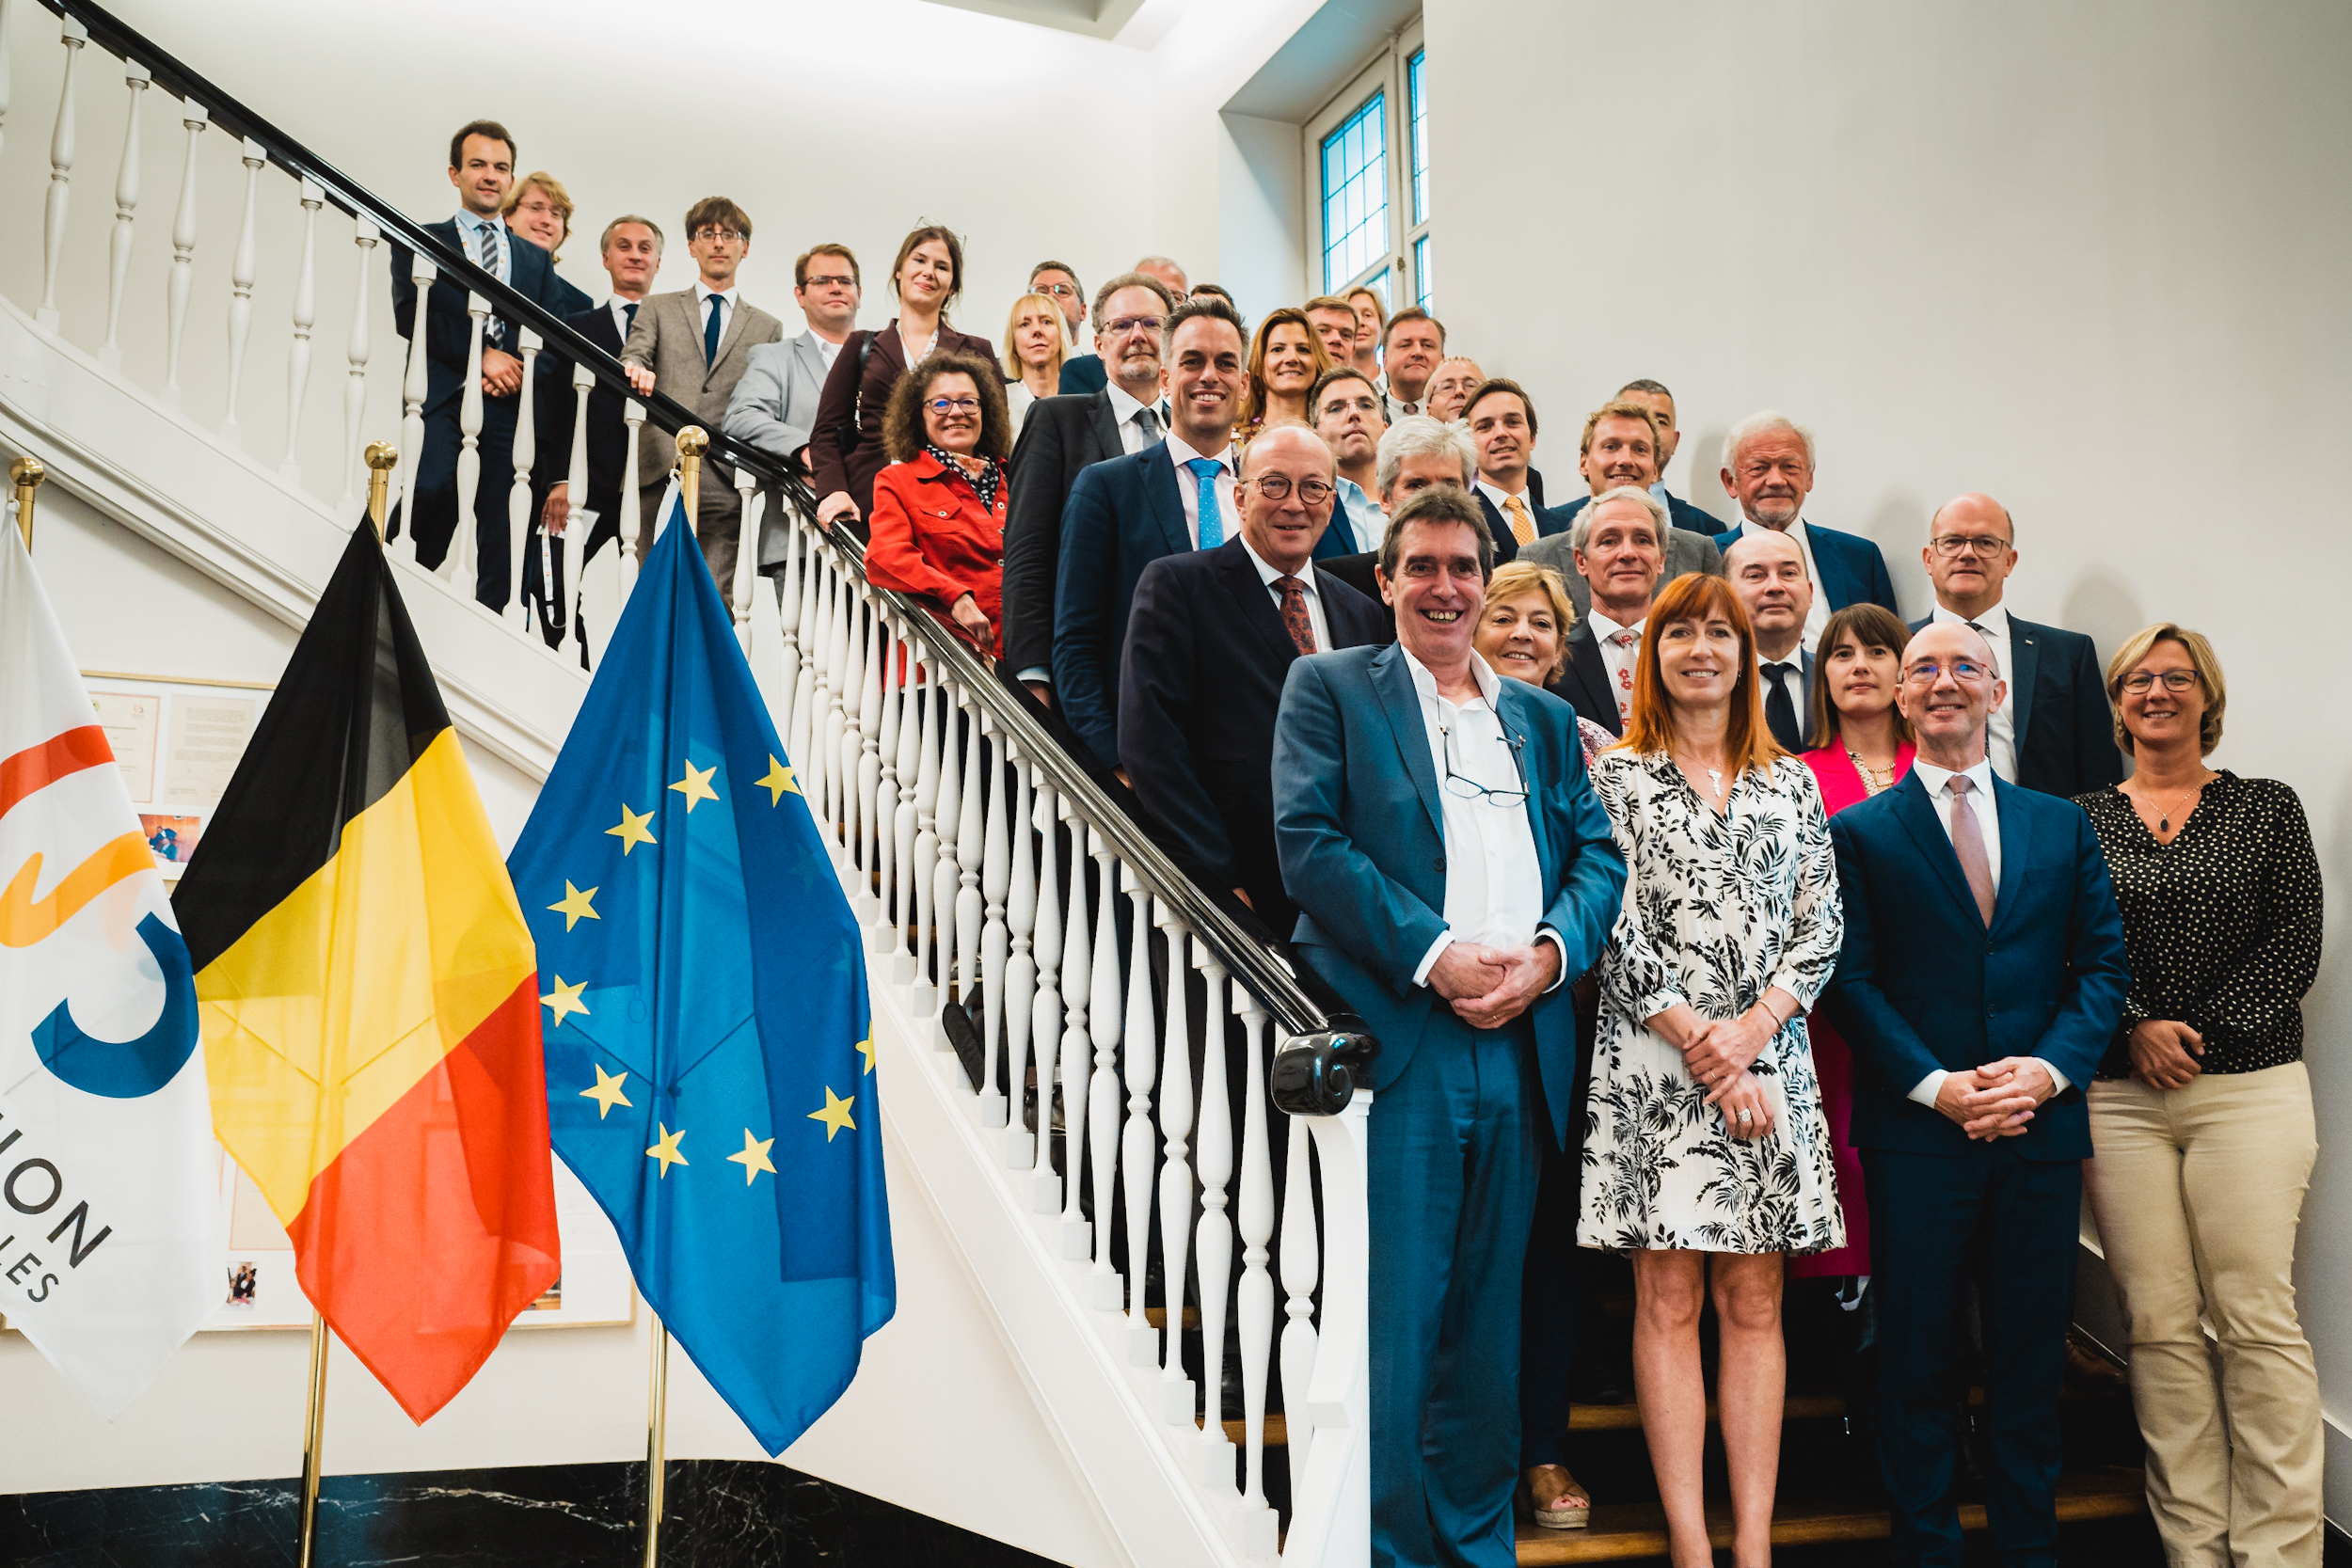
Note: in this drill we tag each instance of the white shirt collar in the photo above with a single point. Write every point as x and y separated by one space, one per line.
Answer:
1124 407
704 290
1935 778
468 218
1306 575
1604 628
1489 684
1994 621
1496 494
1181 453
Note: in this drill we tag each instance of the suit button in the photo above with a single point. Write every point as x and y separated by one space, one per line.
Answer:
1440 865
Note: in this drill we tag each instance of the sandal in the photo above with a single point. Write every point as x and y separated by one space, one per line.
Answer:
1557 1505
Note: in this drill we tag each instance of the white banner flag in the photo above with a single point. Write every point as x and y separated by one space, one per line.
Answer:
109 1248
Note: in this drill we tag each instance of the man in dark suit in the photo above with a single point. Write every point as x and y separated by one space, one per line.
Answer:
1617 551
1125 514
1089 372
1501 421
1621 445
1061 435
1982 974
1767 464
1453 868
1653 396
1415 454
1210 637
2051 731
482 166
1767 571
630 250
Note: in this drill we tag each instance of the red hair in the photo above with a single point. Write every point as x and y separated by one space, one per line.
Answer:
1748 740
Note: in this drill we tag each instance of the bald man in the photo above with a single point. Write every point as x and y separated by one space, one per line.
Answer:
1767 571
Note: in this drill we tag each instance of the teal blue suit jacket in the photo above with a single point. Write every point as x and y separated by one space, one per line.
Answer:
1359 829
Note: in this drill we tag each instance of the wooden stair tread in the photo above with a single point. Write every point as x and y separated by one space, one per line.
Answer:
1628 1417
1622 1531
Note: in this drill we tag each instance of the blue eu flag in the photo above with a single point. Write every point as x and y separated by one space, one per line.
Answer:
708 1061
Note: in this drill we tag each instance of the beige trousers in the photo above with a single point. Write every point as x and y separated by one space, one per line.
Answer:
2197 1192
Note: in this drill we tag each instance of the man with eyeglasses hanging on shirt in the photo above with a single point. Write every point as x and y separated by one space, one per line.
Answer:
694 345
2051 729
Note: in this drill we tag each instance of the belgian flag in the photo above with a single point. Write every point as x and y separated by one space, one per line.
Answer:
369 1002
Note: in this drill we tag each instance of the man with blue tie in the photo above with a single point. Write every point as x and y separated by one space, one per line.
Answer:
1452 867
1768 467
1125 513
1982 974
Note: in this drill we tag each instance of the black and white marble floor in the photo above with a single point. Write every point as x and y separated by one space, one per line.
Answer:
719 1514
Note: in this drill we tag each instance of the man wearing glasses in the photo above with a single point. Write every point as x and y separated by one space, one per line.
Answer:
694 345
1452 867
1058 283
2051 731
774 406
1982 974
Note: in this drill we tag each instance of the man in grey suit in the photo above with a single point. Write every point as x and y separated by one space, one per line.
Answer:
774 406
694 345
1620 447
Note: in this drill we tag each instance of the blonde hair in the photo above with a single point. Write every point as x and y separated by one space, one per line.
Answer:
2200 656
1514 578
1748 742
558 197
1014 368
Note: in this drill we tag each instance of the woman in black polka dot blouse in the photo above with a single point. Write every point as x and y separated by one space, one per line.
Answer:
2200 1119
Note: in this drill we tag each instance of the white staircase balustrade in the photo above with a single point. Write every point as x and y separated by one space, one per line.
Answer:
135 77
365 236
305 315
240 278
60 179
193 118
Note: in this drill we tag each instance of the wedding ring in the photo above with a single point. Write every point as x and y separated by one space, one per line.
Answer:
1746 1116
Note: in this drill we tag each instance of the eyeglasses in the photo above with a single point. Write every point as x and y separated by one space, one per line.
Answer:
1275 487
1964 669
1470 790
712 235
1064 291
943 407
2139 681
837 281
1120 326
1983 546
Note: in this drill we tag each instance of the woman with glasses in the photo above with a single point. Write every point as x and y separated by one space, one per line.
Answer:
1285 359
844 450
939 508
1705 1151
2200 1114
1033 347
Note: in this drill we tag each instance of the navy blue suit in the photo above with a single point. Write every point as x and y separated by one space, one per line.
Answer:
1082 374
2065 731
1452 1165
1851 568
1680 514
1925 984
1548 520
433 504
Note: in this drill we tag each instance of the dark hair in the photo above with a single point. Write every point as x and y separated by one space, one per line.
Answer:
1413 313
489 128
1439 503
800 263
722 211
1494 384
902 424
1254 396
955 261
1652 388
1058 266
1332 377
1219 290
1129 280
1213 309
1871 625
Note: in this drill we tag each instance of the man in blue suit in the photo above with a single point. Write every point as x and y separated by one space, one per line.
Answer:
482 166
1653 395
1982 976
1501 421
1452 867
1125 513
1767 465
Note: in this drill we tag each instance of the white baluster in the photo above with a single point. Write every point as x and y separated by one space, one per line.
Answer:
853 729
1331 1514
422 274
1077 967
1300 1255
1176 1173
305 315
1046 1010
1255 1303
365 235
1134 1149
788 617
804 724
922 997
746 552
61 179
632 498
888 919
947 821
518 615
995 938
241 275
135 77
971 846
194 116
1104 1026
1021 967
459 567
575 543
832 660
909 756
872 823
1214 1239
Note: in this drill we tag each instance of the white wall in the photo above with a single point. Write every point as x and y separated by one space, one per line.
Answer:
2090 258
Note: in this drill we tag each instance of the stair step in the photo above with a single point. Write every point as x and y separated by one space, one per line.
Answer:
1623 1532
1628 1417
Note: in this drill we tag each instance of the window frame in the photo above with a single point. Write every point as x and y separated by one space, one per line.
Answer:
1397 272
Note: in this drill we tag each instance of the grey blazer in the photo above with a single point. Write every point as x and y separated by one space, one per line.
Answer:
1686 551
775 409
667 339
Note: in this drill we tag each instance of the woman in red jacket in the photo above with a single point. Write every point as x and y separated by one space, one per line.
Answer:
939 509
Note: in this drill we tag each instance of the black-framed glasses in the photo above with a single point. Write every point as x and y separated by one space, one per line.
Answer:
1963 669
1120 326
944 407
1470 790
1277 487
2139 681
1983 546
708 234
829 280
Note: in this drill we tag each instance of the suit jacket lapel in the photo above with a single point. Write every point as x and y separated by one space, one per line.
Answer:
1517 726
1935 840
1106 424
2016 846
1588 669
1394 682
1160 480
2025 658
1831 563
1255 607
733 333
812 358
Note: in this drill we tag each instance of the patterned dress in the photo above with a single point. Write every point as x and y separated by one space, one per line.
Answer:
1717 910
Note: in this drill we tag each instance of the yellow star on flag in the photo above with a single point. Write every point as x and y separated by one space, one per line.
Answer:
606 1093
835 1115
753 1159
565 1001
632 830
667 1151
865 1049
696 786
778 781
574 905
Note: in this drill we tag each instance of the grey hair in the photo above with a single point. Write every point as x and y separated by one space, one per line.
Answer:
1771 420
1129 280
1583 527
1422 435
604 239
1168 262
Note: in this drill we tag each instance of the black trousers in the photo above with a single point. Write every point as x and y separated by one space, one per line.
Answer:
435 508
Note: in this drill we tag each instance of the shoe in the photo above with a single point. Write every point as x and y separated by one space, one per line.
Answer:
1557 1503
2089 1374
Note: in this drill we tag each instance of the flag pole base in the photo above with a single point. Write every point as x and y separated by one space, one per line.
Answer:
657 1414
314 1433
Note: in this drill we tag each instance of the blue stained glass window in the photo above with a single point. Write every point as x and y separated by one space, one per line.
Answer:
1356 194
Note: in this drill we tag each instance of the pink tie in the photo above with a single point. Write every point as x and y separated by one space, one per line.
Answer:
1625 640
1968 844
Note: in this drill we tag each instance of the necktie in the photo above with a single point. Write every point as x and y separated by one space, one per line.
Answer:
1147 421
1780 709
629 307
710 331
1625 642
1522 525
1968 844
1294 617
489 239
1204 470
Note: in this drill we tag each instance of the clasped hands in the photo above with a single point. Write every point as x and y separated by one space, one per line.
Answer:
502 373
1488 987
1717 1052
1995 1100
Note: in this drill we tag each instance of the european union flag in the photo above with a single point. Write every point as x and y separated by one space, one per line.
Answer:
709 1062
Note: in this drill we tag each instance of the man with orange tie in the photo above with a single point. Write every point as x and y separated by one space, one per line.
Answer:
1501 421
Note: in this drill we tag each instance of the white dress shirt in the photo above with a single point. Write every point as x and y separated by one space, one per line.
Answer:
827 350
1125 409
1814 618
1494 892
1360 514
619 308
704 295
1619 660
470 227
1188 488
2001 728
1503 499
1980 801
1306 575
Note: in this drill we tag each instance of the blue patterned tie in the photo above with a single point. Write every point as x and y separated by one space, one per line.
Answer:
1205 470
711 332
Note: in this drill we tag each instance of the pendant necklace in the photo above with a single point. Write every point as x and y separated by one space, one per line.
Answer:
2164 818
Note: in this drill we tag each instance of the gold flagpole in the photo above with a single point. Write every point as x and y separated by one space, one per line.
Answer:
314 1430
692 441
381 456
657 1414
27 473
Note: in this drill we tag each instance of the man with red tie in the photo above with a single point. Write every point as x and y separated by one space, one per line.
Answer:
1616 547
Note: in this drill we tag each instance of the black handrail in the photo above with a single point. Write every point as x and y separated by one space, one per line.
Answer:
1326 1035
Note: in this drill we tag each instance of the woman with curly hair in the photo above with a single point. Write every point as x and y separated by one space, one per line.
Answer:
939 508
